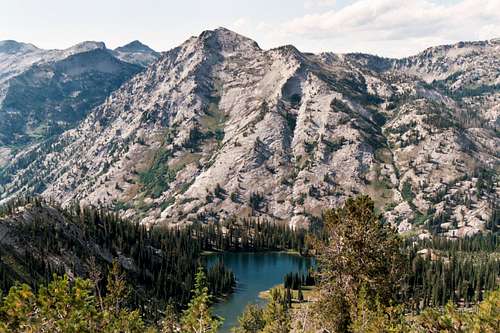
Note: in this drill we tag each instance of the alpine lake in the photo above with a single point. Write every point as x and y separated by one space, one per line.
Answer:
254 273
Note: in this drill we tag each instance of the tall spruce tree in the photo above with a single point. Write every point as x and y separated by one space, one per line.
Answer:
276 314
198 318
358 250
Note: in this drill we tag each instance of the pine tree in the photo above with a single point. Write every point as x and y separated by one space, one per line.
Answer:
116 289
170 322
288 297
276 315
300 295
197 318
63 306
358 250
251 320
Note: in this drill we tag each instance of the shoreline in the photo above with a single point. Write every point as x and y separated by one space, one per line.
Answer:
290 252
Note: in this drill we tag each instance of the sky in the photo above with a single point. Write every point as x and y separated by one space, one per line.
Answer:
391 28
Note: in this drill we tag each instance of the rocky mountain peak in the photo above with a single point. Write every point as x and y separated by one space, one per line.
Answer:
135 46
43 92
288 51
465 64
218 128
227 41
85 47
454 50
13 47
136 53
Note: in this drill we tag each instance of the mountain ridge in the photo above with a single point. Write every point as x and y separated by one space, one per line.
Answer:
43 92
136 46
218 127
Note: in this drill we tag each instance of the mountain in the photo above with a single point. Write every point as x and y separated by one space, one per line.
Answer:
13 47
219 128
44 92
137 53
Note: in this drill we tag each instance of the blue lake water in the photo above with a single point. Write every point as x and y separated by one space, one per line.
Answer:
254 273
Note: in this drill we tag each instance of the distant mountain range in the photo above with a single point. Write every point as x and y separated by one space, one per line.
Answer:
44 92
218 128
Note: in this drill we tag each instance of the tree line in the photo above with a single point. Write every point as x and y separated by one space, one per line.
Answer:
159 261
457 270
368 279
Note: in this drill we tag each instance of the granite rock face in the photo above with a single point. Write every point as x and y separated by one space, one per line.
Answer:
219 128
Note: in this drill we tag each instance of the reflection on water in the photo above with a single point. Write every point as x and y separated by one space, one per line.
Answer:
254 273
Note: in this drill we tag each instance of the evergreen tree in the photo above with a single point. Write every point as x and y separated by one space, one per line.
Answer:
358 250
170 322
251 320
197 318
275 315
288 297
63 306
117 290
300 295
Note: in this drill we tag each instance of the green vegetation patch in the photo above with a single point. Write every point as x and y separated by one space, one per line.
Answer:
213 121
185 160
157 178
407 192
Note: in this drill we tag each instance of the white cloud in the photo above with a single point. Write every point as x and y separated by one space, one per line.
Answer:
240 23
263 26
382 25
308 4
490 30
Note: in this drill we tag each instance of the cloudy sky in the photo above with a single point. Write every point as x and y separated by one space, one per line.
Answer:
392 28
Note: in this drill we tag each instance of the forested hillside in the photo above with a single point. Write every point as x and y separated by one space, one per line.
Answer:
368 279
39 239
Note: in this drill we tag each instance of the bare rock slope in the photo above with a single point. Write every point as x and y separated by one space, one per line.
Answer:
219 128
